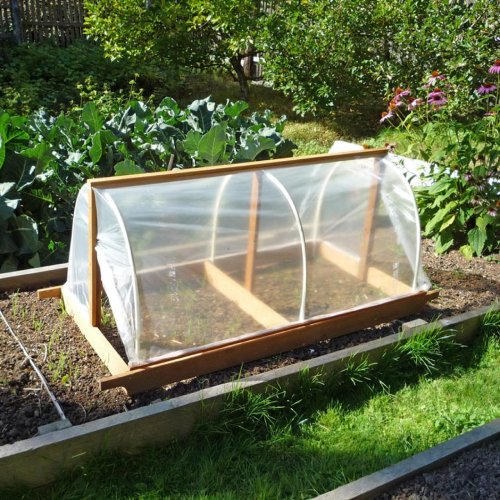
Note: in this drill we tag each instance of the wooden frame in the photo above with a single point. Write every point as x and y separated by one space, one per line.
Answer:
278 334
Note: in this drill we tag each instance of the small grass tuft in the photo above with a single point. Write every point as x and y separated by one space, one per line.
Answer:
429 349
490 327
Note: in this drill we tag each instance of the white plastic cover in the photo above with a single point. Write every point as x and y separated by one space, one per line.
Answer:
154 239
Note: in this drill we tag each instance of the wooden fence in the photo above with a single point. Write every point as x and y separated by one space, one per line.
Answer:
38 20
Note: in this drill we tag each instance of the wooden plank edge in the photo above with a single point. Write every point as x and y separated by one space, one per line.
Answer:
34 278
94 281
50 292
201 363
101 345
430 294
157 177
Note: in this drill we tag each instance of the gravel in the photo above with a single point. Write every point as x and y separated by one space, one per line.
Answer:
474 474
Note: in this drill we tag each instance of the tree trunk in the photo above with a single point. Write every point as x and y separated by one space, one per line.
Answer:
242 79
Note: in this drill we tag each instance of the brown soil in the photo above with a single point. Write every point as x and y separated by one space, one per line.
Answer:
72 369
197 314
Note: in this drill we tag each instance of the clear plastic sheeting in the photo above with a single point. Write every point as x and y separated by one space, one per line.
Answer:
188 263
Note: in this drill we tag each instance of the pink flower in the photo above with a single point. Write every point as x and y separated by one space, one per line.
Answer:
434 78
415 103
486 88
495 68
492 212
437 98
386 116
401 94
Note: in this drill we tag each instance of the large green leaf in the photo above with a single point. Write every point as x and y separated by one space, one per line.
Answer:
92 117
213 145
477 238
35 260
2 150
253 146
202 111
234 109
127 167
95 151
444 241
467 251
7 207
448 222
5 187
42 153
191 143
9 264
26 234
439 217
7 243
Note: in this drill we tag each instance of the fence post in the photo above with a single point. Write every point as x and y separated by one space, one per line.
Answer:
16 21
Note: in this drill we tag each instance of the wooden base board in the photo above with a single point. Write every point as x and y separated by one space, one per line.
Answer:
243 298
373 276
101 345
32 278
161 373
49 293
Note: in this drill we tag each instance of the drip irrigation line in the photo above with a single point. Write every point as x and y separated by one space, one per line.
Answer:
37 370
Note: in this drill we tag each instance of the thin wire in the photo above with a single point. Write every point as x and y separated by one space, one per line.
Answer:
37 370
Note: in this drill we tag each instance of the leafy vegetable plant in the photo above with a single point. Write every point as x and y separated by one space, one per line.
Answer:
44 160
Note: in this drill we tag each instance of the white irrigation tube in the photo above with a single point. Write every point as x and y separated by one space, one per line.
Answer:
37 370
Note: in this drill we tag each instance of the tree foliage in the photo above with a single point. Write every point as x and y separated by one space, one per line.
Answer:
182 33
331 54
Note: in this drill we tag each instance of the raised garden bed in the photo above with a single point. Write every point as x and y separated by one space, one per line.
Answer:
72 368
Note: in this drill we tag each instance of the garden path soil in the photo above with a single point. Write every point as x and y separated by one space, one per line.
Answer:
474 474
72 368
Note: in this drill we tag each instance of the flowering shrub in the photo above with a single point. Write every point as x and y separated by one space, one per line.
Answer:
459 201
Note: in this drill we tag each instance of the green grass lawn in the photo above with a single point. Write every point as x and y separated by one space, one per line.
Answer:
309 442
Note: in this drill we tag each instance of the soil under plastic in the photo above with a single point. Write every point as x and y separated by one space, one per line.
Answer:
72 368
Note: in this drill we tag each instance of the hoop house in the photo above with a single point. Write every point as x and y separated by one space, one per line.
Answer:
198 260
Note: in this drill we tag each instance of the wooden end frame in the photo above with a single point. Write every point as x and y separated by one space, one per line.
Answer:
253 230
94 274
208 360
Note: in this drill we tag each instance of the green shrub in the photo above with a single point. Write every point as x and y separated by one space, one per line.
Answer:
44 75
44 160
